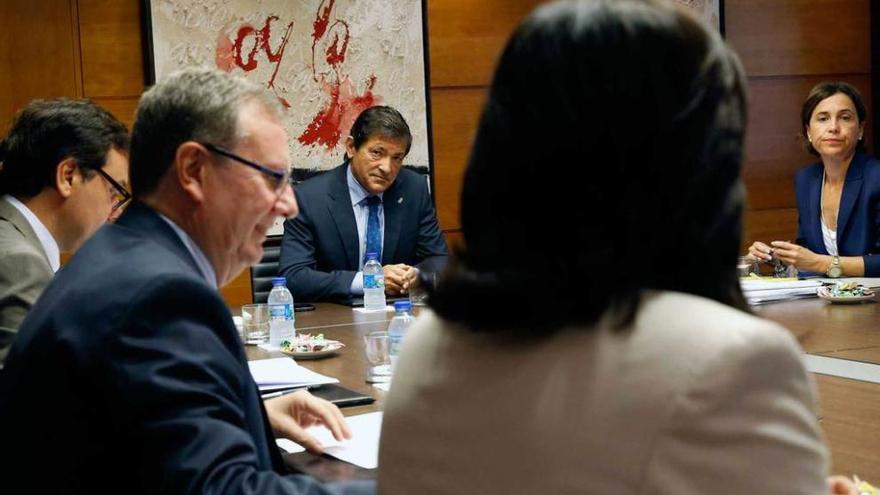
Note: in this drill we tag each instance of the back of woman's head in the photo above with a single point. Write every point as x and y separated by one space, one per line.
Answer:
606 162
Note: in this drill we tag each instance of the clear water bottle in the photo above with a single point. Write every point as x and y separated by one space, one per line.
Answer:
374 284
398 327
281 322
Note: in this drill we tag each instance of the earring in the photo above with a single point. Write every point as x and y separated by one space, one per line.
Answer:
860 138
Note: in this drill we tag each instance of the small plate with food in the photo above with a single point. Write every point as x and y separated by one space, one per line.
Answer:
307 346
845 293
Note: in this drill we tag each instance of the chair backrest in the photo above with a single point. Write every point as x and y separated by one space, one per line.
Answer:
262 272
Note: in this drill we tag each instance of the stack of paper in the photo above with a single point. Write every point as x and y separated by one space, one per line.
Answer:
361 450
760 291
283 373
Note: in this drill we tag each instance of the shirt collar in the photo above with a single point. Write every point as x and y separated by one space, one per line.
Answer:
357 192
50 246
198 255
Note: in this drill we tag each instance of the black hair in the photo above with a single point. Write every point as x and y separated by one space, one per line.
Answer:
606 163
820 92
46 132
380 121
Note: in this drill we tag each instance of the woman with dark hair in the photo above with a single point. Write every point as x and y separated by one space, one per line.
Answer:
571 347
838 197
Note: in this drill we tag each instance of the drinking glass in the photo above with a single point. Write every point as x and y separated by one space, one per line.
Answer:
378 359
745 266
255 321
418 293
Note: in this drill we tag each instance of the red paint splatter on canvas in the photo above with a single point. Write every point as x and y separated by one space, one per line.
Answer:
335 119
327 127
230 54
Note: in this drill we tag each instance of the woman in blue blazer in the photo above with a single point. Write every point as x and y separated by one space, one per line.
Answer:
838 198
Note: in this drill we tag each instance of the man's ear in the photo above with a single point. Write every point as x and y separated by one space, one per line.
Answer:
189 168
65 175
349 147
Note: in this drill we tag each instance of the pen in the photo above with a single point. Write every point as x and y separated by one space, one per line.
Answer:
272 395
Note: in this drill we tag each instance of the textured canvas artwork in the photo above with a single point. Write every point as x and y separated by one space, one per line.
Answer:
325 61
709 10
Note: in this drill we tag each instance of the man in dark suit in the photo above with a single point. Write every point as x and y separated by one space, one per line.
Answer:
367 204
130 358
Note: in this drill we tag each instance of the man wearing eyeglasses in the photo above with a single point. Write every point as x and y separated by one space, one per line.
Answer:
370 203
131 354
64 166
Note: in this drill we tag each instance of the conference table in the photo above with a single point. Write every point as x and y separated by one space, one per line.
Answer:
849 410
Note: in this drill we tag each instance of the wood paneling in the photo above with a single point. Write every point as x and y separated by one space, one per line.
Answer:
123 108
769 225
455 114
798 37
112 61
39 53
467 36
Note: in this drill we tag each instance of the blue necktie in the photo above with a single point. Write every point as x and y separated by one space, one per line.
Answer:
374 234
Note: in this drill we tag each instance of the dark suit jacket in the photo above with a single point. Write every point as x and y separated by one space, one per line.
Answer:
128 376
319 251
858 220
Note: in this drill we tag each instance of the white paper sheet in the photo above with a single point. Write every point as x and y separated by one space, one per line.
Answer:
361 450
281 373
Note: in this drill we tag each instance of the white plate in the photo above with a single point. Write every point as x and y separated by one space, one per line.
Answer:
332 349
825 293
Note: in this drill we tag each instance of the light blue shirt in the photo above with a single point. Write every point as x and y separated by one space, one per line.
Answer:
197 254
359 196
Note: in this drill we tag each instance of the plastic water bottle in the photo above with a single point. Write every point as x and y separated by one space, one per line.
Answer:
398 327
374 284
281 320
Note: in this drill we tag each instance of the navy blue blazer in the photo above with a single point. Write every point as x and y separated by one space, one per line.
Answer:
319 250
858 220
131 361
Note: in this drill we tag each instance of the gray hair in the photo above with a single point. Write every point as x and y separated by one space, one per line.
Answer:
193 104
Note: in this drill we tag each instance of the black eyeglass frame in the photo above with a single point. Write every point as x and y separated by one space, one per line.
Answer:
126 196
281 178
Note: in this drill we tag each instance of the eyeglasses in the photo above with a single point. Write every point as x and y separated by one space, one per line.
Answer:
276 180
120 195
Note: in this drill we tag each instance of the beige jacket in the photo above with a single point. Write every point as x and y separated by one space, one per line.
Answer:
24 272
694 398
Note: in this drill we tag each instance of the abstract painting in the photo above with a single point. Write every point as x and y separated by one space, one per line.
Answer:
324 60
712 11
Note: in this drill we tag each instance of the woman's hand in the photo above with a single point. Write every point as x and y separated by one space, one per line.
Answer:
760 252
289 416
802 258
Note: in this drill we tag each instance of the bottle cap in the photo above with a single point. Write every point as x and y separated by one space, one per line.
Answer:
372 256
276 281
401 306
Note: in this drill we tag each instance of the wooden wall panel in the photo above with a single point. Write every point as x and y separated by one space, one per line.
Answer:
799 37
112 61
39 53
455 113
123 107
778 224
466 37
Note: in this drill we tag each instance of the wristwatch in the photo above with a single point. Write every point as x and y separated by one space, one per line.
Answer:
834 270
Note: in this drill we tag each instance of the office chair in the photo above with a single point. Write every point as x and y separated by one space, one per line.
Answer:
265 269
